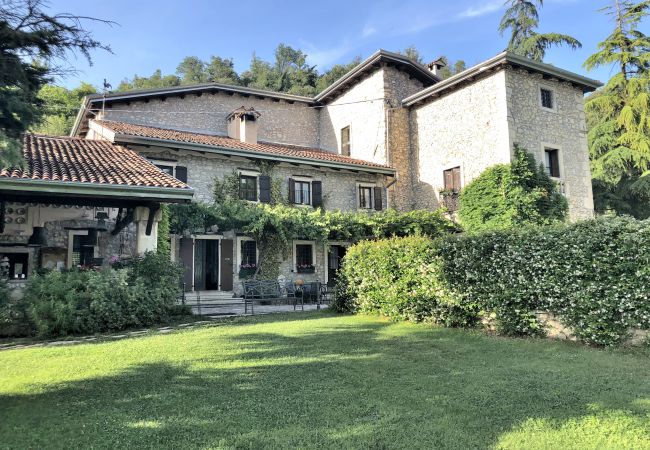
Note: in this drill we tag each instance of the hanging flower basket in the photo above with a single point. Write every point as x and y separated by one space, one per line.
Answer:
247 270
306 269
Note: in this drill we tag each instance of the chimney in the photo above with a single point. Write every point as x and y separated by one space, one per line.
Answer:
437 65
242 124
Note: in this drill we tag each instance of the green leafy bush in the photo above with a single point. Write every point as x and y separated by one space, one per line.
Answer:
593 276
401 278
509 195
75 302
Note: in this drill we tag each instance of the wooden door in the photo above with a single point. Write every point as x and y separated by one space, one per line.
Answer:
226 264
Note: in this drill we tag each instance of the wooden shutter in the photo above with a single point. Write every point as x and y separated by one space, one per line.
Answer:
379 200
449 180
265 189
292 190
181 174
316 193
455 173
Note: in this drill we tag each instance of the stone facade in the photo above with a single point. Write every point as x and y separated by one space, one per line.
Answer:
563 128
295 123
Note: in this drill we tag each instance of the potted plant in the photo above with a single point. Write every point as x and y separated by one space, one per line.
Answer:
247 270
305 268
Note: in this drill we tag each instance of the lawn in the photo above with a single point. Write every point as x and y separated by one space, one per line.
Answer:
319 380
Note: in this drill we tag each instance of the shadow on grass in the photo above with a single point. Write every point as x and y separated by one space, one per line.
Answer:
341 384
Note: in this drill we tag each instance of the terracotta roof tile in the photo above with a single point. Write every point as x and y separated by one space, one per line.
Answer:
229 143
64 159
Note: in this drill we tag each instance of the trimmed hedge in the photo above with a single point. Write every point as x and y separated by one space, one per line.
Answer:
593 276
84 302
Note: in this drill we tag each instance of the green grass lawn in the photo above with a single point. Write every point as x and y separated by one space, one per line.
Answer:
318 380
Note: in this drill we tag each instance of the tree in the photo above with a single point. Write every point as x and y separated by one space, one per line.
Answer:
449 69
33 47
619 114
335 72
155 81
222 70
412 53
60 106
522 19
510 195
191 70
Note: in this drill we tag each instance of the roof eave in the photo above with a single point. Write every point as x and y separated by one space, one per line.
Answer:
587 84
142 140
97 190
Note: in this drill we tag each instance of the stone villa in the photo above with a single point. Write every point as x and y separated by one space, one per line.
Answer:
388 134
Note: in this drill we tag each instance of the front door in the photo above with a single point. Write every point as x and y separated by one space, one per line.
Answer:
334 259
226 264
211 264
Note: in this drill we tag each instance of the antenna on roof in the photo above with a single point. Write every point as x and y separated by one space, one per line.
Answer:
107 87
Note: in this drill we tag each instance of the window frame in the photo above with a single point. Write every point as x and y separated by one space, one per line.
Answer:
296 180
311 244
371 200
546 151
452 167
240 255
346 147
553 91
256 188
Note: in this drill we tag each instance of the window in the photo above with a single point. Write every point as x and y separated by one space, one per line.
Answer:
248 254
345 141
546 96
452 180
82 255
365 197
16 265
170 168
248 188
302 192
552 162
304 258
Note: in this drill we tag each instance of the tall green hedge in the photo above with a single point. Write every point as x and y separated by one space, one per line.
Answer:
594 276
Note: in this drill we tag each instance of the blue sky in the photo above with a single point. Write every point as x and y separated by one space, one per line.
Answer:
158 34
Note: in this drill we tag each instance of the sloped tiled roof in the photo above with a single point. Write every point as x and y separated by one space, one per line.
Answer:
124 128
64 159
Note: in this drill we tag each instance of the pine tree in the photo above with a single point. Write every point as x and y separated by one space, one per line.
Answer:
619 114
522 19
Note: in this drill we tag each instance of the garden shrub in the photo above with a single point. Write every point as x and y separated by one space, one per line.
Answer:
593 276
400 278
508 195
74 302
13 316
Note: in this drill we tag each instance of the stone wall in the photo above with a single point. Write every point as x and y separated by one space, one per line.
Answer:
339 187
563 128
282 122
467 128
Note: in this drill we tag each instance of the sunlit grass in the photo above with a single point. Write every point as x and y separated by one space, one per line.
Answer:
318 380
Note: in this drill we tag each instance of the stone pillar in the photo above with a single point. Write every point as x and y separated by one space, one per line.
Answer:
144 243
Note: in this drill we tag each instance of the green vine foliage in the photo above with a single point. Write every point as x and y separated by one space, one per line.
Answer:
163 247
511 195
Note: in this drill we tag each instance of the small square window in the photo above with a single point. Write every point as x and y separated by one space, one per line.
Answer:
248 188
552 162
345 141
365 197
546 98
248 254
304 258
452 179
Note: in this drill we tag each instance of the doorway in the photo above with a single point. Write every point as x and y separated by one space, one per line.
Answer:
335 256
208 263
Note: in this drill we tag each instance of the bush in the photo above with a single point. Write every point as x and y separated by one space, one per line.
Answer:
593 276
400 278
73 302
509 195
13 316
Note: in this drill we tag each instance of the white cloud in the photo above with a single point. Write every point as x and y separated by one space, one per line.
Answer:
325 57
368 30
481 9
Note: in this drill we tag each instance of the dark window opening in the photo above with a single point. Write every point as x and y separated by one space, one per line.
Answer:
248 254
552 162
547 98
365 197
345 141
81 255
248 188
304 256
302 192
18 264
169 170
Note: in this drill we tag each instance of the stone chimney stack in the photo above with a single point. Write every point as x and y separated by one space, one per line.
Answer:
437 65
242 124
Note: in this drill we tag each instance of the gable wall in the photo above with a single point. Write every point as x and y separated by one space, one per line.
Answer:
467 128
533 127
280 122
